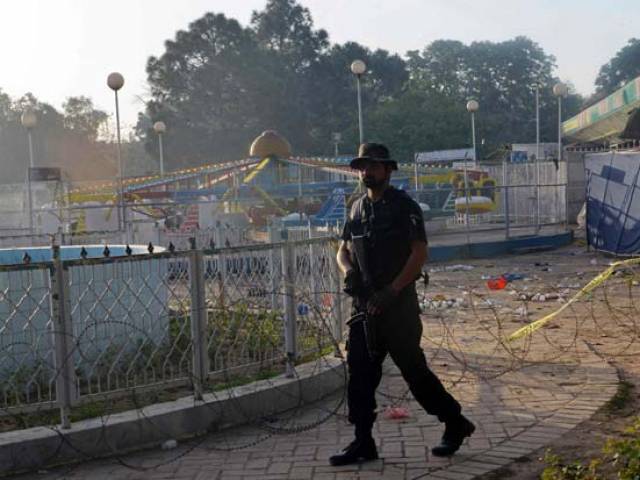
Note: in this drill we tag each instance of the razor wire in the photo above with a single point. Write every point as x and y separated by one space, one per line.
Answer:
240 284
131 318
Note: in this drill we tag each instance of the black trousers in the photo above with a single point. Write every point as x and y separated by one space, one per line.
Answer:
397 332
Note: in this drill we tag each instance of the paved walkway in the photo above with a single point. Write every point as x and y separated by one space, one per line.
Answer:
516 411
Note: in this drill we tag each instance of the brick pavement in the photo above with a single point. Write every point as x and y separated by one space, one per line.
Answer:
516 411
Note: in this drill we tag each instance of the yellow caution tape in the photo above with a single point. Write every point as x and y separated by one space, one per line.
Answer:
588 288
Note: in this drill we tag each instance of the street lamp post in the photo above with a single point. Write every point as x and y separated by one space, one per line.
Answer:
472 108
358 68
337 138
415 171
115 81
29 120
300 188
561 90
537 88
160 127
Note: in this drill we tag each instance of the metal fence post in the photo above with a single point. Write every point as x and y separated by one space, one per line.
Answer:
338 319
222 277
199 320
567 220
274 237
66 394
505 192
314 271
288 274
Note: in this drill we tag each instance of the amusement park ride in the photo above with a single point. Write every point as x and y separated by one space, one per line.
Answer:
271 185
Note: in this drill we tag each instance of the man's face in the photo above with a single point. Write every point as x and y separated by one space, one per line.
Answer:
374 174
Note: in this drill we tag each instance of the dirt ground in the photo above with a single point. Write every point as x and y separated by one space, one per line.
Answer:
605 318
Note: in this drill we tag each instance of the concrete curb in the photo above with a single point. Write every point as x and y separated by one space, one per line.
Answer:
39 447
478 249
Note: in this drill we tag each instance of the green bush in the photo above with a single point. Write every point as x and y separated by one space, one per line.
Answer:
625 452
257 331
620 456
558 470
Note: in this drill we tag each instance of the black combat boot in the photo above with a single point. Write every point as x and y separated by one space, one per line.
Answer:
363 448
455 431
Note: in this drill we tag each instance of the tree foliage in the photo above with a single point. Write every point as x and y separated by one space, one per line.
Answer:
66 140
81 117
418 120
502 77
622 68
206 88
286 28
219 84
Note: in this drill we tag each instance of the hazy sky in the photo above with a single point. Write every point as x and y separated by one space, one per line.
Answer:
60 48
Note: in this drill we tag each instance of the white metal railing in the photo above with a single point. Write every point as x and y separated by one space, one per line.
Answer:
75 330
497 208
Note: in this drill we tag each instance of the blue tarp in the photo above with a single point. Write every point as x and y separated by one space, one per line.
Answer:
613 202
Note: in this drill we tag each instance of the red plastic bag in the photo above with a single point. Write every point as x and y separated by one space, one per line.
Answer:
497 283
396 413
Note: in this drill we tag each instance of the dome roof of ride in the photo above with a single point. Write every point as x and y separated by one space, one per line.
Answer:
270 144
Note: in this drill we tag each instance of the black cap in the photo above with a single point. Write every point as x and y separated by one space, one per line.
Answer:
373 152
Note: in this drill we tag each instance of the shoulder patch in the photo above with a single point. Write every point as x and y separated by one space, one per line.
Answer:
356 207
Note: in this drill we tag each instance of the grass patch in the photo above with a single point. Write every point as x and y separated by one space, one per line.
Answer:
620 458
241 335
138 399
90 409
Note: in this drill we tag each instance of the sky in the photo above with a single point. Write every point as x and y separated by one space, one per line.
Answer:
61 48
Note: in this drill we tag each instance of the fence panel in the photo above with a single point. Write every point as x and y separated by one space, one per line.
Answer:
165 319
27 356
131 322
316 299
244 318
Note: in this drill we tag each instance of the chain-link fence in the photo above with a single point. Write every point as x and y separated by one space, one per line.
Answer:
77 330
27 330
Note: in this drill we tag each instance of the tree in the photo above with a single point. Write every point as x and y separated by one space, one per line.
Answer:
292 51
501 77
419 120
219 84
209 88
441 67
622 68
81 117
5 107
333 92
278 74
286 28
55 145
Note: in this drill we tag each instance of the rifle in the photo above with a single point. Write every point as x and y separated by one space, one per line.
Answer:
363 293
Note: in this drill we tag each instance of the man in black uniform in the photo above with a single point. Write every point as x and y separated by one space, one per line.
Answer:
383 249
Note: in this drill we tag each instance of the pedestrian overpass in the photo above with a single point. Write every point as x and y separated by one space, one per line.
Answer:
614 119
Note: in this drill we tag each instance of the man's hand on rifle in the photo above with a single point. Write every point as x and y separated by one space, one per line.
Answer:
352 283
381 300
